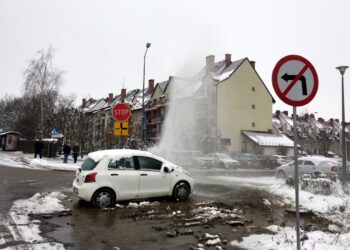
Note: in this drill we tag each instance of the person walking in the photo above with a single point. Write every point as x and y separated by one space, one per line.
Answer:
66 152
38 148
75 153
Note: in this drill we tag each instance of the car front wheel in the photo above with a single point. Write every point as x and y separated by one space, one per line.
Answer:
181 192
103 198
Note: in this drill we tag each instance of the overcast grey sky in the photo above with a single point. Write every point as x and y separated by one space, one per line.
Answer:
100 44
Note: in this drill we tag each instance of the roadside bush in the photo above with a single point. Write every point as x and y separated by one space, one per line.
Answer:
322 185
50 148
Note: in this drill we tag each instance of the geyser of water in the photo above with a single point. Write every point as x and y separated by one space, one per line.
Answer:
189 128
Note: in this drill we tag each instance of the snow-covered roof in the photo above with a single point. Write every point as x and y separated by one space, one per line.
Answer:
99 104
276 120
269 139
163 85
222 72
9 132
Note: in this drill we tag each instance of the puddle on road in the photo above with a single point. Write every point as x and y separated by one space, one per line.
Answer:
165 224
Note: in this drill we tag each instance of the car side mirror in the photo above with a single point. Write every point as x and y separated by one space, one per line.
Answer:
167 170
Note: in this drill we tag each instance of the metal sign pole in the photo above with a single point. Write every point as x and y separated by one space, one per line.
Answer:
296 176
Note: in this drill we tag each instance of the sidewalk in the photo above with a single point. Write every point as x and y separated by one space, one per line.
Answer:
21 160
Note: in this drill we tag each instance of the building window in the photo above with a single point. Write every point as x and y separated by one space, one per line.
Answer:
253 124
253 89
253 106
225 142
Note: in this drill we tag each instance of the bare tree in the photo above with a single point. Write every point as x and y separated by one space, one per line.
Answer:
42 81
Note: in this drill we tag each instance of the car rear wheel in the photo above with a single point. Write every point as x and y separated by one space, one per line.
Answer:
181 192
103 198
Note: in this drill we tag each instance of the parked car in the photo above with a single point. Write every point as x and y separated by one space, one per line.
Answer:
309 165
220 160
246 160
267 161
281 159
114 175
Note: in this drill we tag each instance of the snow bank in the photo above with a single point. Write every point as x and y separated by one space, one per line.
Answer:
38 246
44 164
21 160
22 228
310 201
285 238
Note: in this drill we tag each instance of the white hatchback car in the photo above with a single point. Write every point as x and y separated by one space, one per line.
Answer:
120 174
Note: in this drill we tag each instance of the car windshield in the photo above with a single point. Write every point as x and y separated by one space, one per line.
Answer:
223 156
88 164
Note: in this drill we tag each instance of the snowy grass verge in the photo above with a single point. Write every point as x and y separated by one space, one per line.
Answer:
285 238
21 160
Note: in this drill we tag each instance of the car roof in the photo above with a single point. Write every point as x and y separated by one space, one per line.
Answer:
119 153
316 159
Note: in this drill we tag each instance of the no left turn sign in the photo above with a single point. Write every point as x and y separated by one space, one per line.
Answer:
295 80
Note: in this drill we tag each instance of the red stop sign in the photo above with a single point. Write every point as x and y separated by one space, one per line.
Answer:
121 112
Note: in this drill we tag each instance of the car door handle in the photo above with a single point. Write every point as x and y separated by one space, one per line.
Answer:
144 174
114 174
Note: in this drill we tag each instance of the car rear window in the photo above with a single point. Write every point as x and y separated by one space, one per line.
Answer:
88 164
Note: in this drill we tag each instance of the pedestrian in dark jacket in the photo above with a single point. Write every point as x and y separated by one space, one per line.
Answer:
38 148
75 153
66 152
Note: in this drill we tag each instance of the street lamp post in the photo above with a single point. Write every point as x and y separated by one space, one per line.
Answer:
143 129
342 72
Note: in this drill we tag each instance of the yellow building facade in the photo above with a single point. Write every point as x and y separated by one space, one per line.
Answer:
243 103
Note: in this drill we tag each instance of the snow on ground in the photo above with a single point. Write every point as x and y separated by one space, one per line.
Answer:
285 238
333 207
323 205
21 160
20 226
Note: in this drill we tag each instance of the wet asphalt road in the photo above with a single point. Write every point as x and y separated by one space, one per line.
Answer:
21 183
138 228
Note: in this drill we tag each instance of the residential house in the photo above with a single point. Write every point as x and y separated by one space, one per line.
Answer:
156 110
219 108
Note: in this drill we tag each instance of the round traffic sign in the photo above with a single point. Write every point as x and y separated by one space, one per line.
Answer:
121 112
295 80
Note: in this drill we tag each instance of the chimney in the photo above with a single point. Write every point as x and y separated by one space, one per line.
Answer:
150 85
83 104
228 59
285 112
253 64
123 93
210 61
110 97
